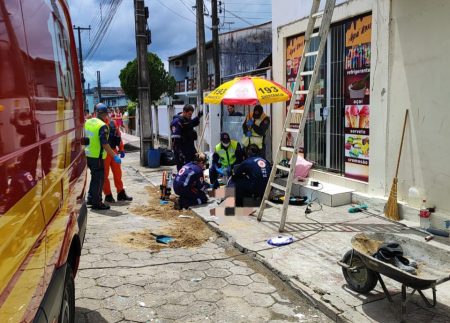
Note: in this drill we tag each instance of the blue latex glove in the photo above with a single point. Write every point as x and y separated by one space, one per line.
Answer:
219 171
250 123
117 159
248 134
122 154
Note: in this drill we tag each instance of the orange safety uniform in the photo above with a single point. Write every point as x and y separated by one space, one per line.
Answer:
117 146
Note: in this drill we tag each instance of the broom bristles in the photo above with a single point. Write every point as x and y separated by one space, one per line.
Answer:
391 210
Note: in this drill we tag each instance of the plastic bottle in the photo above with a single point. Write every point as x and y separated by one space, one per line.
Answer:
414 197
424 215
170 180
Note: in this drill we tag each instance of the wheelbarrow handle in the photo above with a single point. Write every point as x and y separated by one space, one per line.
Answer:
442 280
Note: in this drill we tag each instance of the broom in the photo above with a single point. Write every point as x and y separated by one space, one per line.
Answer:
391 210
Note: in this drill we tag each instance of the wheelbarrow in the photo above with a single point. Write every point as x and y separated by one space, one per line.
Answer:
362 271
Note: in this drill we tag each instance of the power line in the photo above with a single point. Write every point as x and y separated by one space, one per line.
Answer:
250 3
242 19
101 32
187 7
254 18
181 16
174 12
243 11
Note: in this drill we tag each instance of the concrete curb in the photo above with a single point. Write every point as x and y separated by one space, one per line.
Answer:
300 288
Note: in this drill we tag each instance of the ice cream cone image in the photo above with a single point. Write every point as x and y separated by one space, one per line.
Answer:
347 117
364 117
354 116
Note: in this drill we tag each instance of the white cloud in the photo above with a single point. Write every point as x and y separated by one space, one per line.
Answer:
171 34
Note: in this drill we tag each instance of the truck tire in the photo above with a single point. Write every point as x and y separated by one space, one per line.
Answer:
361 280
67 313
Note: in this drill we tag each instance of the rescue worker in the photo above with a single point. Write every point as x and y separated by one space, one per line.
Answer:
233 113
251 176
96 150
183 135
227 154
116 143
255 129
190 185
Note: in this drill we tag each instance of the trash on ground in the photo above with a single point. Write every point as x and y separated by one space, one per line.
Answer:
196 279
162 238
163 202
358 208
280 240
300 316
142 304
185 216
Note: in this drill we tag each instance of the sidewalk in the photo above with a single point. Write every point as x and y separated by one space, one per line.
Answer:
309 264
131 142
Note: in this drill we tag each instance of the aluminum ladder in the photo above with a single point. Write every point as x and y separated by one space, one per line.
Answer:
325 16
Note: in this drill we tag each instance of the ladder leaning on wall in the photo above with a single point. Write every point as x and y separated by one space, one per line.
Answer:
325 16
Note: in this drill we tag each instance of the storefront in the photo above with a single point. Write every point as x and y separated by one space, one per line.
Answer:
382 57
337 130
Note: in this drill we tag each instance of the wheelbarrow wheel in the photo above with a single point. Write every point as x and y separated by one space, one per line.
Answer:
361 279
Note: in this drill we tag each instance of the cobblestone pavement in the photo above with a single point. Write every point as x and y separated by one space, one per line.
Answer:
119 283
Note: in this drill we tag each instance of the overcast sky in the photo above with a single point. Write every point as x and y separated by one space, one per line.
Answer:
172 23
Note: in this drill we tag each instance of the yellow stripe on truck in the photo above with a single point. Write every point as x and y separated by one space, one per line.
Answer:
20 229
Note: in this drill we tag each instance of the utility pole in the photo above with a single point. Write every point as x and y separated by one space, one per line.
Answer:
99 87
144 107
215 41
201 52
80 57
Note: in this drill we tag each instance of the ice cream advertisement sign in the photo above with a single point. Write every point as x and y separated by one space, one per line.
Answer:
357 97
358 31
294 50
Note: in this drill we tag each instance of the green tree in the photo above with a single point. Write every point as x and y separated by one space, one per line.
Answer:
160 81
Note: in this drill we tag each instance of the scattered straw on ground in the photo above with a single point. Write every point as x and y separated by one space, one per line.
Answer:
187 232
365 245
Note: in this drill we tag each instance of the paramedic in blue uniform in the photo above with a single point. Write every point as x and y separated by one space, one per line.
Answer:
189 183
183 135
227 154
251 176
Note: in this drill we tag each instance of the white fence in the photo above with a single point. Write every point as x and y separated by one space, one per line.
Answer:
212 125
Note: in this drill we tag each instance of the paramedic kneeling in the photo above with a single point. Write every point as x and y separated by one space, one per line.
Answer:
251 176
189 183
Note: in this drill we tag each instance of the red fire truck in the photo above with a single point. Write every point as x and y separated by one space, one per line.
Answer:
42 162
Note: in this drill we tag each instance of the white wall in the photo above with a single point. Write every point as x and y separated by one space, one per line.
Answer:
287 11
289 17
420 81
410 69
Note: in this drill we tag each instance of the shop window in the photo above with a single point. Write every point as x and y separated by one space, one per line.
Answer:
337 141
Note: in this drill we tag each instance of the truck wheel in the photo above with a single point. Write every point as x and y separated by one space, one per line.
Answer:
361 280
67 313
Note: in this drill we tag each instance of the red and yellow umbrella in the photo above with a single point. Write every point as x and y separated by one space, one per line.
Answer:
248 90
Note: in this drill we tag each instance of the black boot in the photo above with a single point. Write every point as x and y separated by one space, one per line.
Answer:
109 198
177 204
122 196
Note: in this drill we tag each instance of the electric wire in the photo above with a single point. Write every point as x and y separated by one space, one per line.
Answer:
175 13
101 32
187 7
